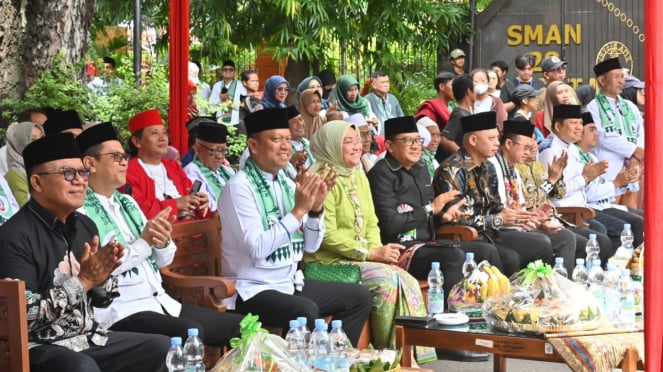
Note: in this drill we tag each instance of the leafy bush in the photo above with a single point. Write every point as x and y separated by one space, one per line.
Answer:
417 88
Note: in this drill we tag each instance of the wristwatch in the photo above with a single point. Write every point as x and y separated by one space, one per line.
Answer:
429 209
497 221
316 214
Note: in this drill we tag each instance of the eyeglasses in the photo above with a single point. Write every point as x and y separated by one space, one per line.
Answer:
214 152
69 173
410 141
228 69
366 134
526 147
281 89
118 157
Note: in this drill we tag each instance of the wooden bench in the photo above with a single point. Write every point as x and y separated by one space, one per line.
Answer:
576 215
13 327
194 275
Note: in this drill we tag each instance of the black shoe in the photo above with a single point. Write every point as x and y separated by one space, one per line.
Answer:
462 355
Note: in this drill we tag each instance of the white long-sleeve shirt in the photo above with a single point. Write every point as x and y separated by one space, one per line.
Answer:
246 245
194 173
552 147
139 282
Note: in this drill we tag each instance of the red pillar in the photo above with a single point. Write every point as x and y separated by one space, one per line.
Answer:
178 66
653 188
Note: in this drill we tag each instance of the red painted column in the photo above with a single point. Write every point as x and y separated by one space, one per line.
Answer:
653 188
178 73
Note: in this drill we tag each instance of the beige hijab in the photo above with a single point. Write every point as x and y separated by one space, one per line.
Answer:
313 123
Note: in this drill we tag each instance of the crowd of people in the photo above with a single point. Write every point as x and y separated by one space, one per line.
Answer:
336 178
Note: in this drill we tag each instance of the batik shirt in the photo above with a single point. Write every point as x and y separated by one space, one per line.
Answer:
477 184
536 187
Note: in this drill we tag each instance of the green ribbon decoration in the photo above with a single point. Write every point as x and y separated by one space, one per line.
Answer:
247 328
535 270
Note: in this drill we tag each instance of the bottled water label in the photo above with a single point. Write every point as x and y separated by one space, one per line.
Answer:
435 303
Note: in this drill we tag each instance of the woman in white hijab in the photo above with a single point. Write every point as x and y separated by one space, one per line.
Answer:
19 135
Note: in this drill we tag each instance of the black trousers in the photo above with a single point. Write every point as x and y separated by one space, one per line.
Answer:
451 264
518 248
614 219
123 352
564 245
350 303
215 328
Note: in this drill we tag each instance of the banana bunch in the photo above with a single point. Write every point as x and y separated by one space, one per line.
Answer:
485 282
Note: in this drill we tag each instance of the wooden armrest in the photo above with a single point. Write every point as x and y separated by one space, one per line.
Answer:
456 232
205 291
577 215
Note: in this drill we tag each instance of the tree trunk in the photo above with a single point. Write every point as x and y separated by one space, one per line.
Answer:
32 32
295 72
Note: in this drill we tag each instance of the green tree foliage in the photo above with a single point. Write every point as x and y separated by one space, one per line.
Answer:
308 29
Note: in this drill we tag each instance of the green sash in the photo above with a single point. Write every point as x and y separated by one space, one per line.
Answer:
227 115
6 210
428 158
105 223
211 178
270 210
612 124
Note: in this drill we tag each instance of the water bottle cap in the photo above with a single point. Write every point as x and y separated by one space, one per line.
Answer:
592 236
626 272
596 262
580 261
612 266
192 332
294 324
320 322
176 341
469 255
321 326
627 226
337 324
559 260
435 265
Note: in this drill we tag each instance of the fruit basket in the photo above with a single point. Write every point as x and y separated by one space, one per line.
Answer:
542 301
484 282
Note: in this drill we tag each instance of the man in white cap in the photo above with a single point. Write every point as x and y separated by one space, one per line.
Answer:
457 58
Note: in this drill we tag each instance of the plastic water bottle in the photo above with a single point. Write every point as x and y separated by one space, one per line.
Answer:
435 290
559 267
194 350
627 237
295 340
611 280
175 358
626 291
303 328
596 282
592 248
580 273
338 342
469 265
318 347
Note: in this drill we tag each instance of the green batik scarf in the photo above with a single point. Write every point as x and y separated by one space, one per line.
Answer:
105 223
610 122
428 158
270 208
211 178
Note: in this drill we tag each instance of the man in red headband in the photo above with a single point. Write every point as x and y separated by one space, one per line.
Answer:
156 183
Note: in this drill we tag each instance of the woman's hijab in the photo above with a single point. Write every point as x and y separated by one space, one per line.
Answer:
327 147
550 102
360 105
304 85
269 94
19 135
313 122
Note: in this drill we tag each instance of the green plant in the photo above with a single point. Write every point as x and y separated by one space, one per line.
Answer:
236 145
417 87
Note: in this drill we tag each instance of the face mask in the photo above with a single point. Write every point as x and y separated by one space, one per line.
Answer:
480 88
